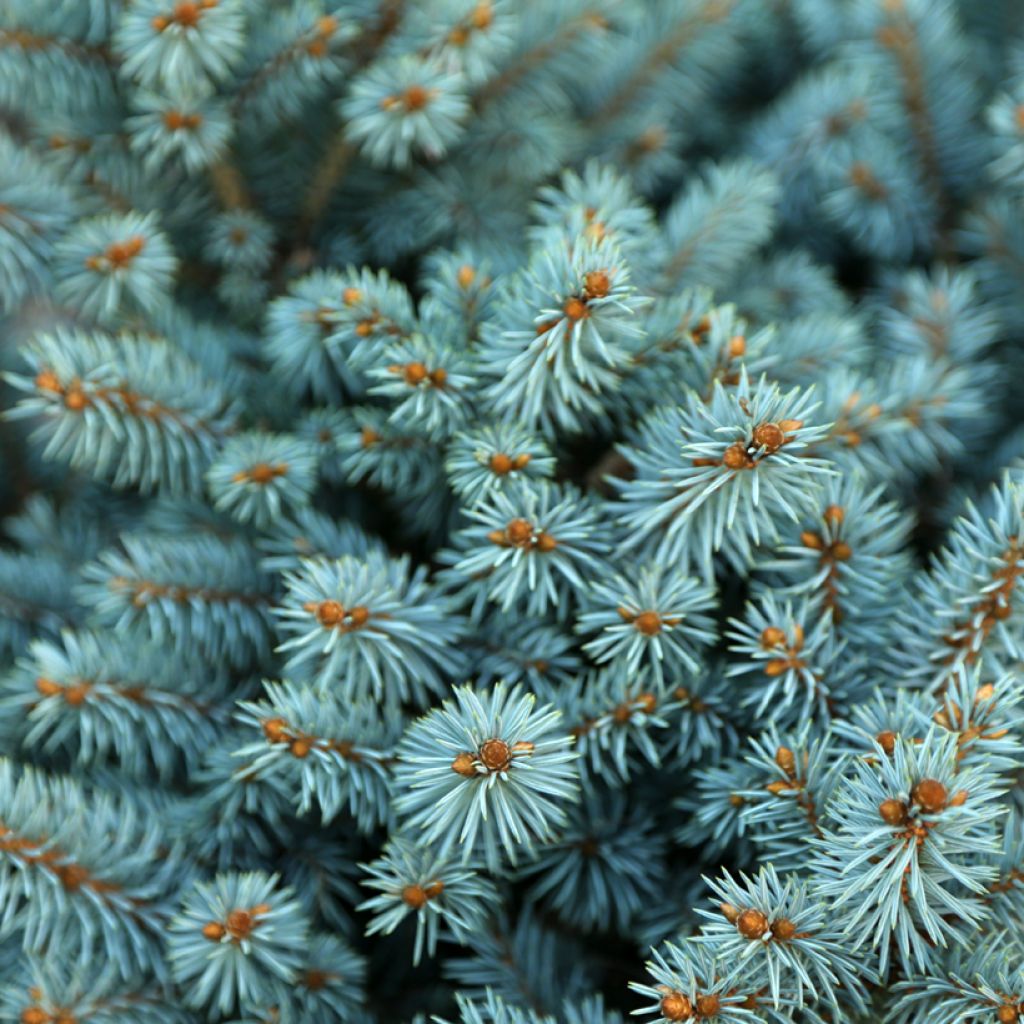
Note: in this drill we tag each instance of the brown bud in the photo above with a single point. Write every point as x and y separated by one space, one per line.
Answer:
841 551
495 755
329 613
240 924
519 532
893 812
415 97
465 275
708 1006
809 539
262 473
769 436
737 346
834 514
463 765
772 636
1007 1014
214 931
786 760
648 623
959 798
930 795
647 702
752 924
47 380
887 741
545 543
482 15
358 616
783 930
415 896
500 464
675 1006
413 373
575 309
729 912
47 687
314 979
174 121
623 713
35 1015
735 456
597 284
276 730
117 254
75 400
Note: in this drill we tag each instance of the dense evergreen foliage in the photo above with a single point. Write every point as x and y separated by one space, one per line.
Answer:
511 511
